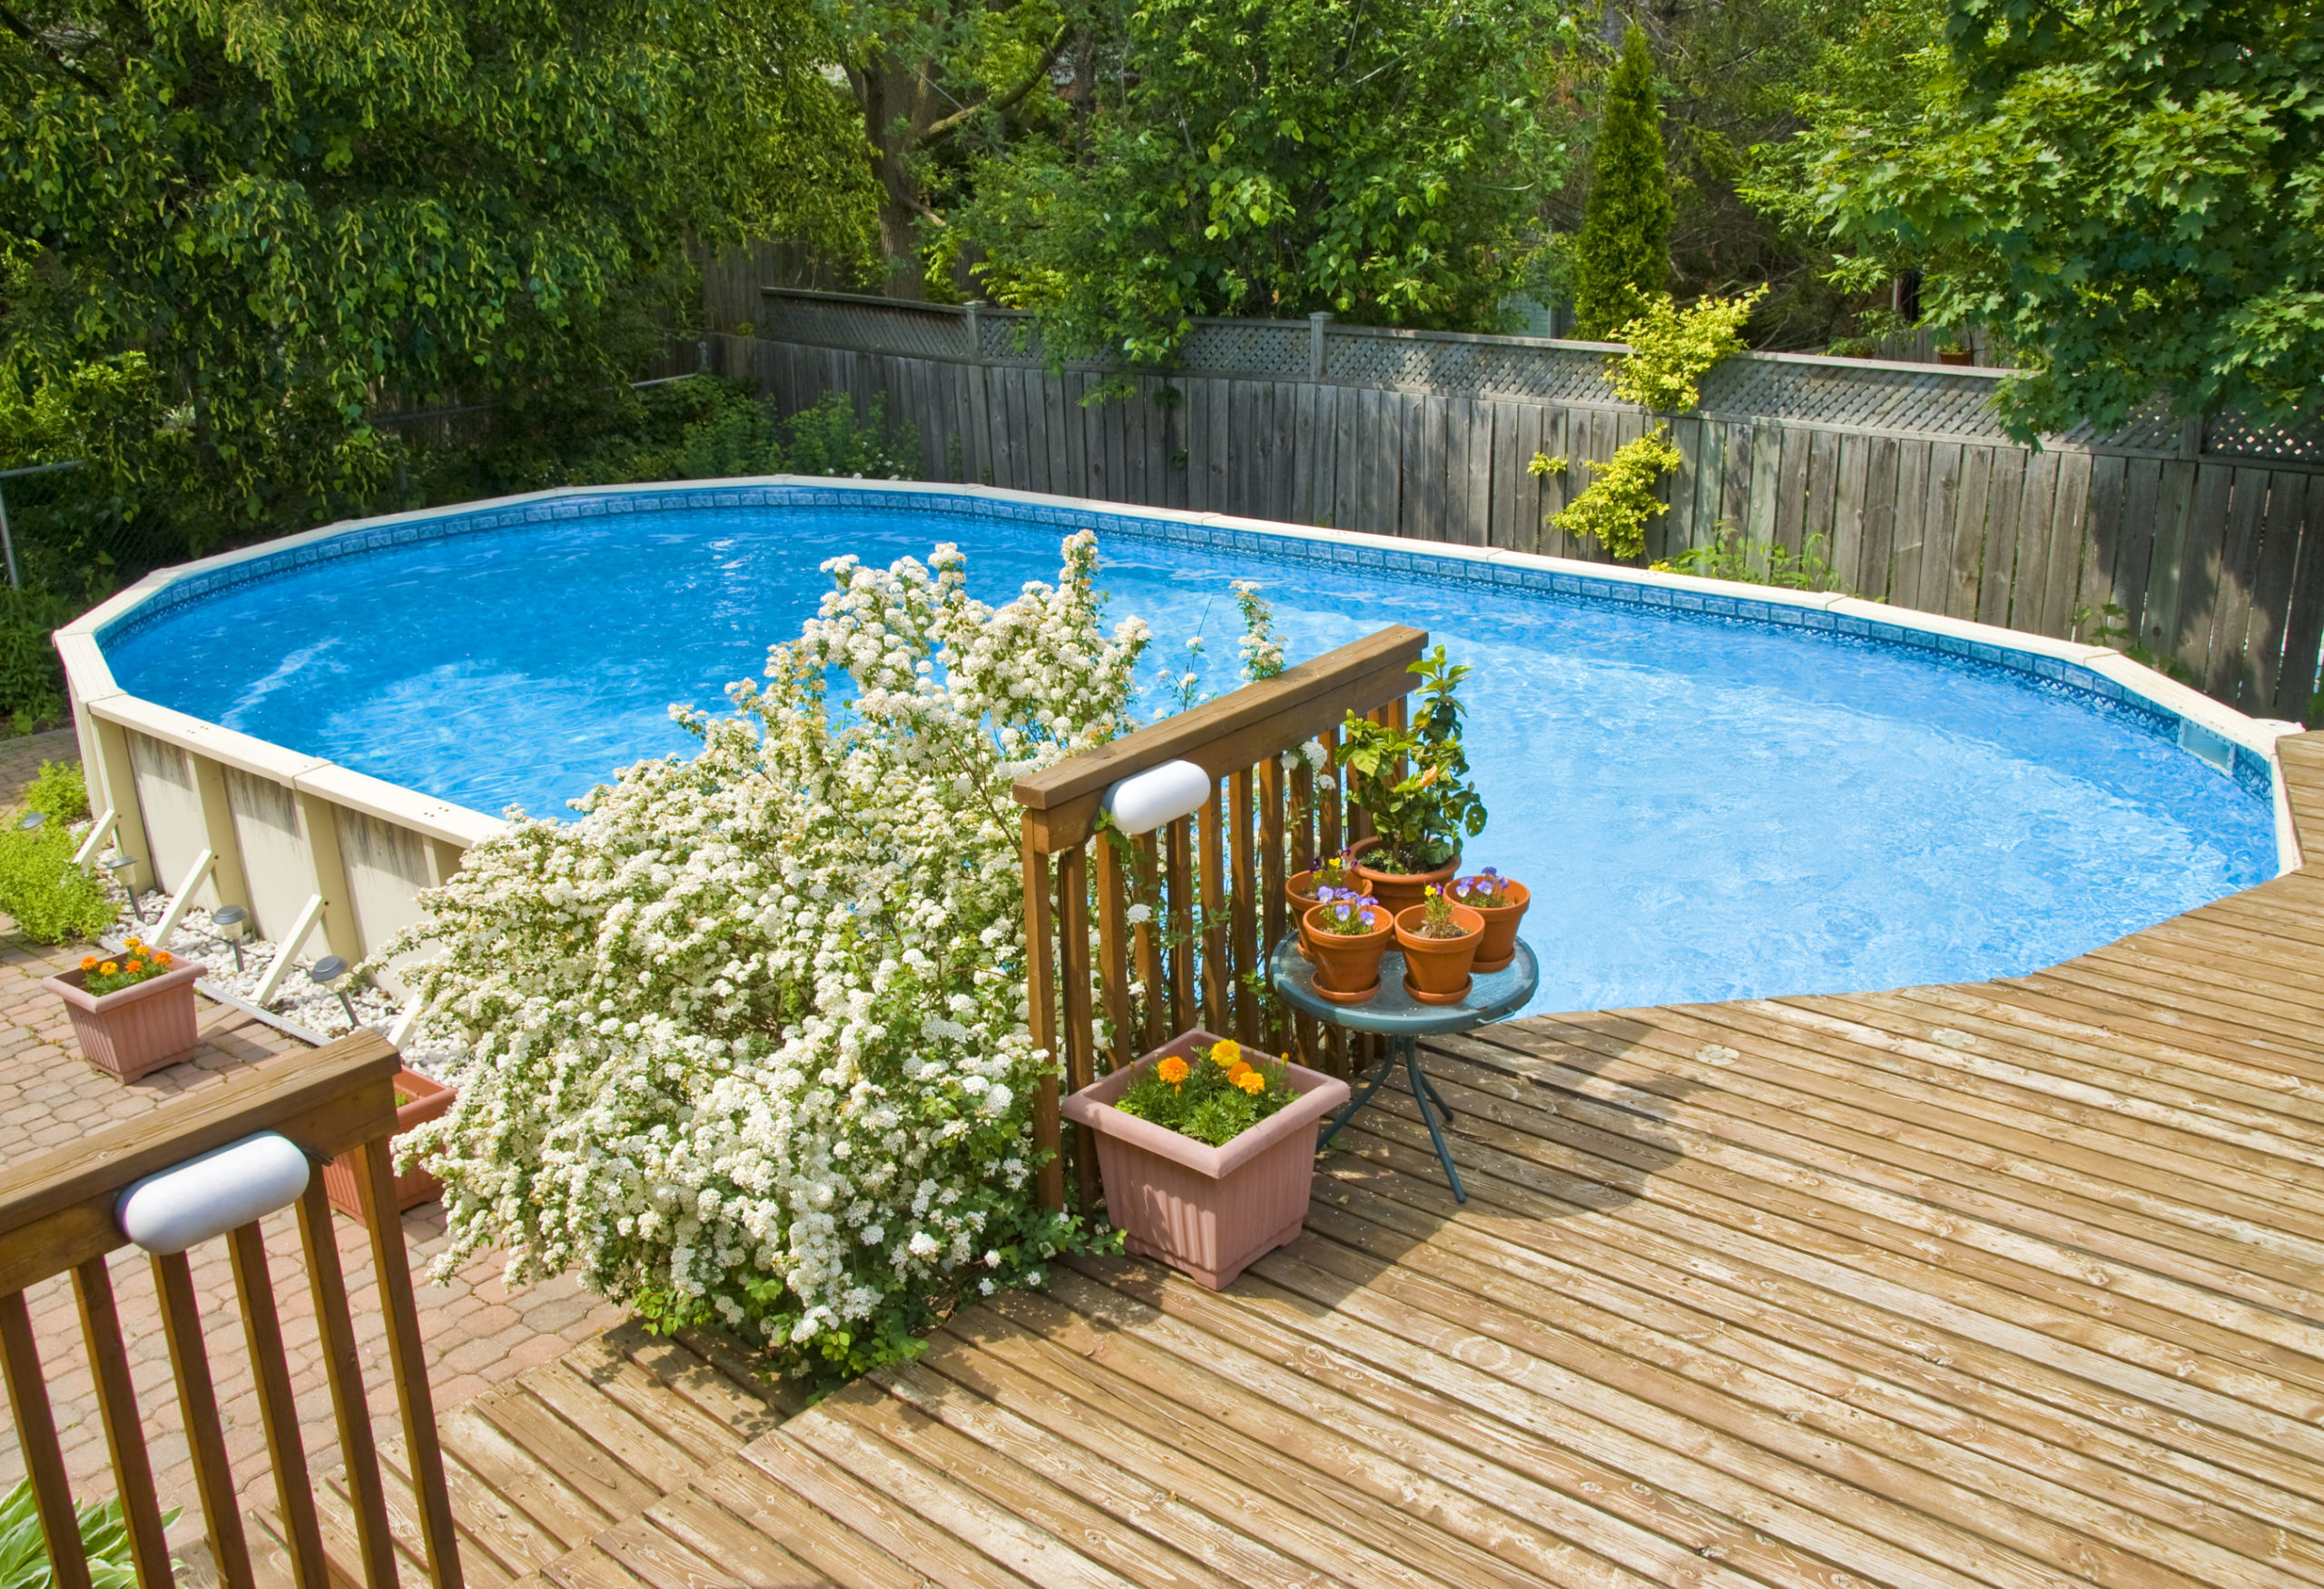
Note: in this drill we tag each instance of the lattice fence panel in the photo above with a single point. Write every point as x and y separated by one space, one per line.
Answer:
1008 337
2234 436
1248 347
2153 428
914 330
1450 365
1832 392
1915 399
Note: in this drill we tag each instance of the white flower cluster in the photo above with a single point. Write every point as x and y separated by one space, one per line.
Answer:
748 1040
1262 648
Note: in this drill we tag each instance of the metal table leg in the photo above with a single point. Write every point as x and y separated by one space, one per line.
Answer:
1424 1095
1387 1064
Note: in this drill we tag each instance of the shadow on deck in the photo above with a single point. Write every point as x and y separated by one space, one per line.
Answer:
2009 1284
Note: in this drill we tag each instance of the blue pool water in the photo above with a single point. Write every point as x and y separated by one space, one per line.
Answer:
1706 808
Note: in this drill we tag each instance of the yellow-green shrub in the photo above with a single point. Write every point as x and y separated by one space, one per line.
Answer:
1672 348
1620 498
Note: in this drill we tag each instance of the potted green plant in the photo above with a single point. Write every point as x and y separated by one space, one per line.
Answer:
1205 1149
1412 784
419 1100
1440 942
1345 935
133 1013
1335 871
1502 902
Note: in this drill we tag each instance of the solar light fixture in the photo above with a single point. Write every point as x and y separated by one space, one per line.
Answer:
326 972
232 922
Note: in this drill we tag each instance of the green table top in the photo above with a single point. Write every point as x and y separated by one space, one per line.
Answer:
1396 1012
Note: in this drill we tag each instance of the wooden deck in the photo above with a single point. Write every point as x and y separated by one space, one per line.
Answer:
2017 1283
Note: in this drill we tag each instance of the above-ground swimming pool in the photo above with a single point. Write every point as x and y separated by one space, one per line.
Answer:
1708 806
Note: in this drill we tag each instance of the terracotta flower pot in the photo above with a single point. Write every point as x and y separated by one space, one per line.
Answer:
1347 965
1299 890
1499 945
1956 356
429 1099
1399 890
138 1030
1437 969
1207 1212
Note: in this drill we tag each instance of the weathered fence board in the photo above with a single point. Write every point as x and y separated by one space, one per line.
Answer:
1909 491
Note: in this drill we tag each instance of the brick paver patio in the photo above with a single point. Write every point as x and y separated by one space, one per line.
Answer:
477 1331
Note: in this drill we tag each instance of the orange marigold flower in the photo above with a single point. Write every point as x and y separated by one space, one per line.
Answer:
136 966
163 957
88 962
1252 1082
135 944
108 969
1172 1069
1236 1072
1227 1053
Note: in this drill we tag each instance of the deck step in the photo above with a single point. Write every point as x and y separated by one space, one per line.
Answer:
540 1467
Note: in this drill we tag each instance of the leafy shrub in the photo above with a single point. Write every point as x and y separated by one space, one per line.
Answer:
829 440
50 898
824 440
1672 348
59 793
1756 562
32 680
1614 510
105 1540
748 1040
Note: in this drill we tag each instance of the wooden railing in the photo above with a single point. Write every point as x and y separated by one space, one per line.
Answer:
1212 883
57 1215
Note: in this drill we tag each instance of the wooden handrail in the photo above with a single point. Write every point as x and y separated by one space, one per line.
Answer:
1212 883
1232 731
56 1208
57 1215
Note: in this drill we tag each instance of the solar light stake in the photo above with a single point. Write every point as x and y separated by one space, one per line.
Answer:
326 972
231 922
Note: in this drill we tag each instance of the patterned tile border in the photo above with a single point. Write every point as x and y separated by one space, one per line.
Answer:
2251 768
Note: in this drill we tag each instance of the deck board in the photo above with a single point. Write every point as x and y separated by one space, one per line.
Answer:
2017 1283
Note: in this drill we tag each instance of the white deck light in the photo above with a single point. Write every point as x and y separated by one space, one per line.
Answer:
223 1189
1144 801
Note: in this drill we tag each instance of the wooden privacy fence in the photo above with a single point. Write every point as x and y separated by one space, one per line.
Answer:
2208 535
1211 883
57 1217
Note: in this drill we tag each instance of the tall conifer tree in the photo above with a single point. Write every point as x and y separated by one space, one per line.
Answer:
1621 257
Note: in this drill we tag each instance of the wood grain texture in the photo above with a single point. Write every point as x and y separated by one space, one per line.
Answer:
2012 1283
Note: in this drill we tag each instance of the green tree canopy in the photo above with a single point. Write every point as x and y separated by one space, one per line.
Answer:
2131 191
1373 158
942 85
1621 257
248 224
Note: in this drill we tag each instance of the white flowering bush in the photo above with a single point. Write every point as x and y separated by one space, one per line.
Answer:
747 1041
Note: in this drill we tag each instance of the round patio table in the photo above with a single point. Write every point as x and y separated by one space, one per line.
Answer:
1404 1020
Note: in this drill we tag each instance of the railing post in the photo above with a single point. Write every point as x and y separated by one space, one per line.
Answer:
972 318
1318 328
1040 1013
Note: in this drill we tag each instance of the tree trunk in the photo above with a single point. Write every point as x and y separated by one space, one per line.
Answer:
897 113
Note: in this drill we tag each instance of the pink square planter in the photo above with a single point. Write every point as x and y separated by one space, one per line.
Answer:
1211 1213
139 1029
429 1099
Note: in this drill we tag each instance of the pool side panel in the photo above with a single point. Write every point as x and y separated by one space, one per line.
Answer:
385 842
